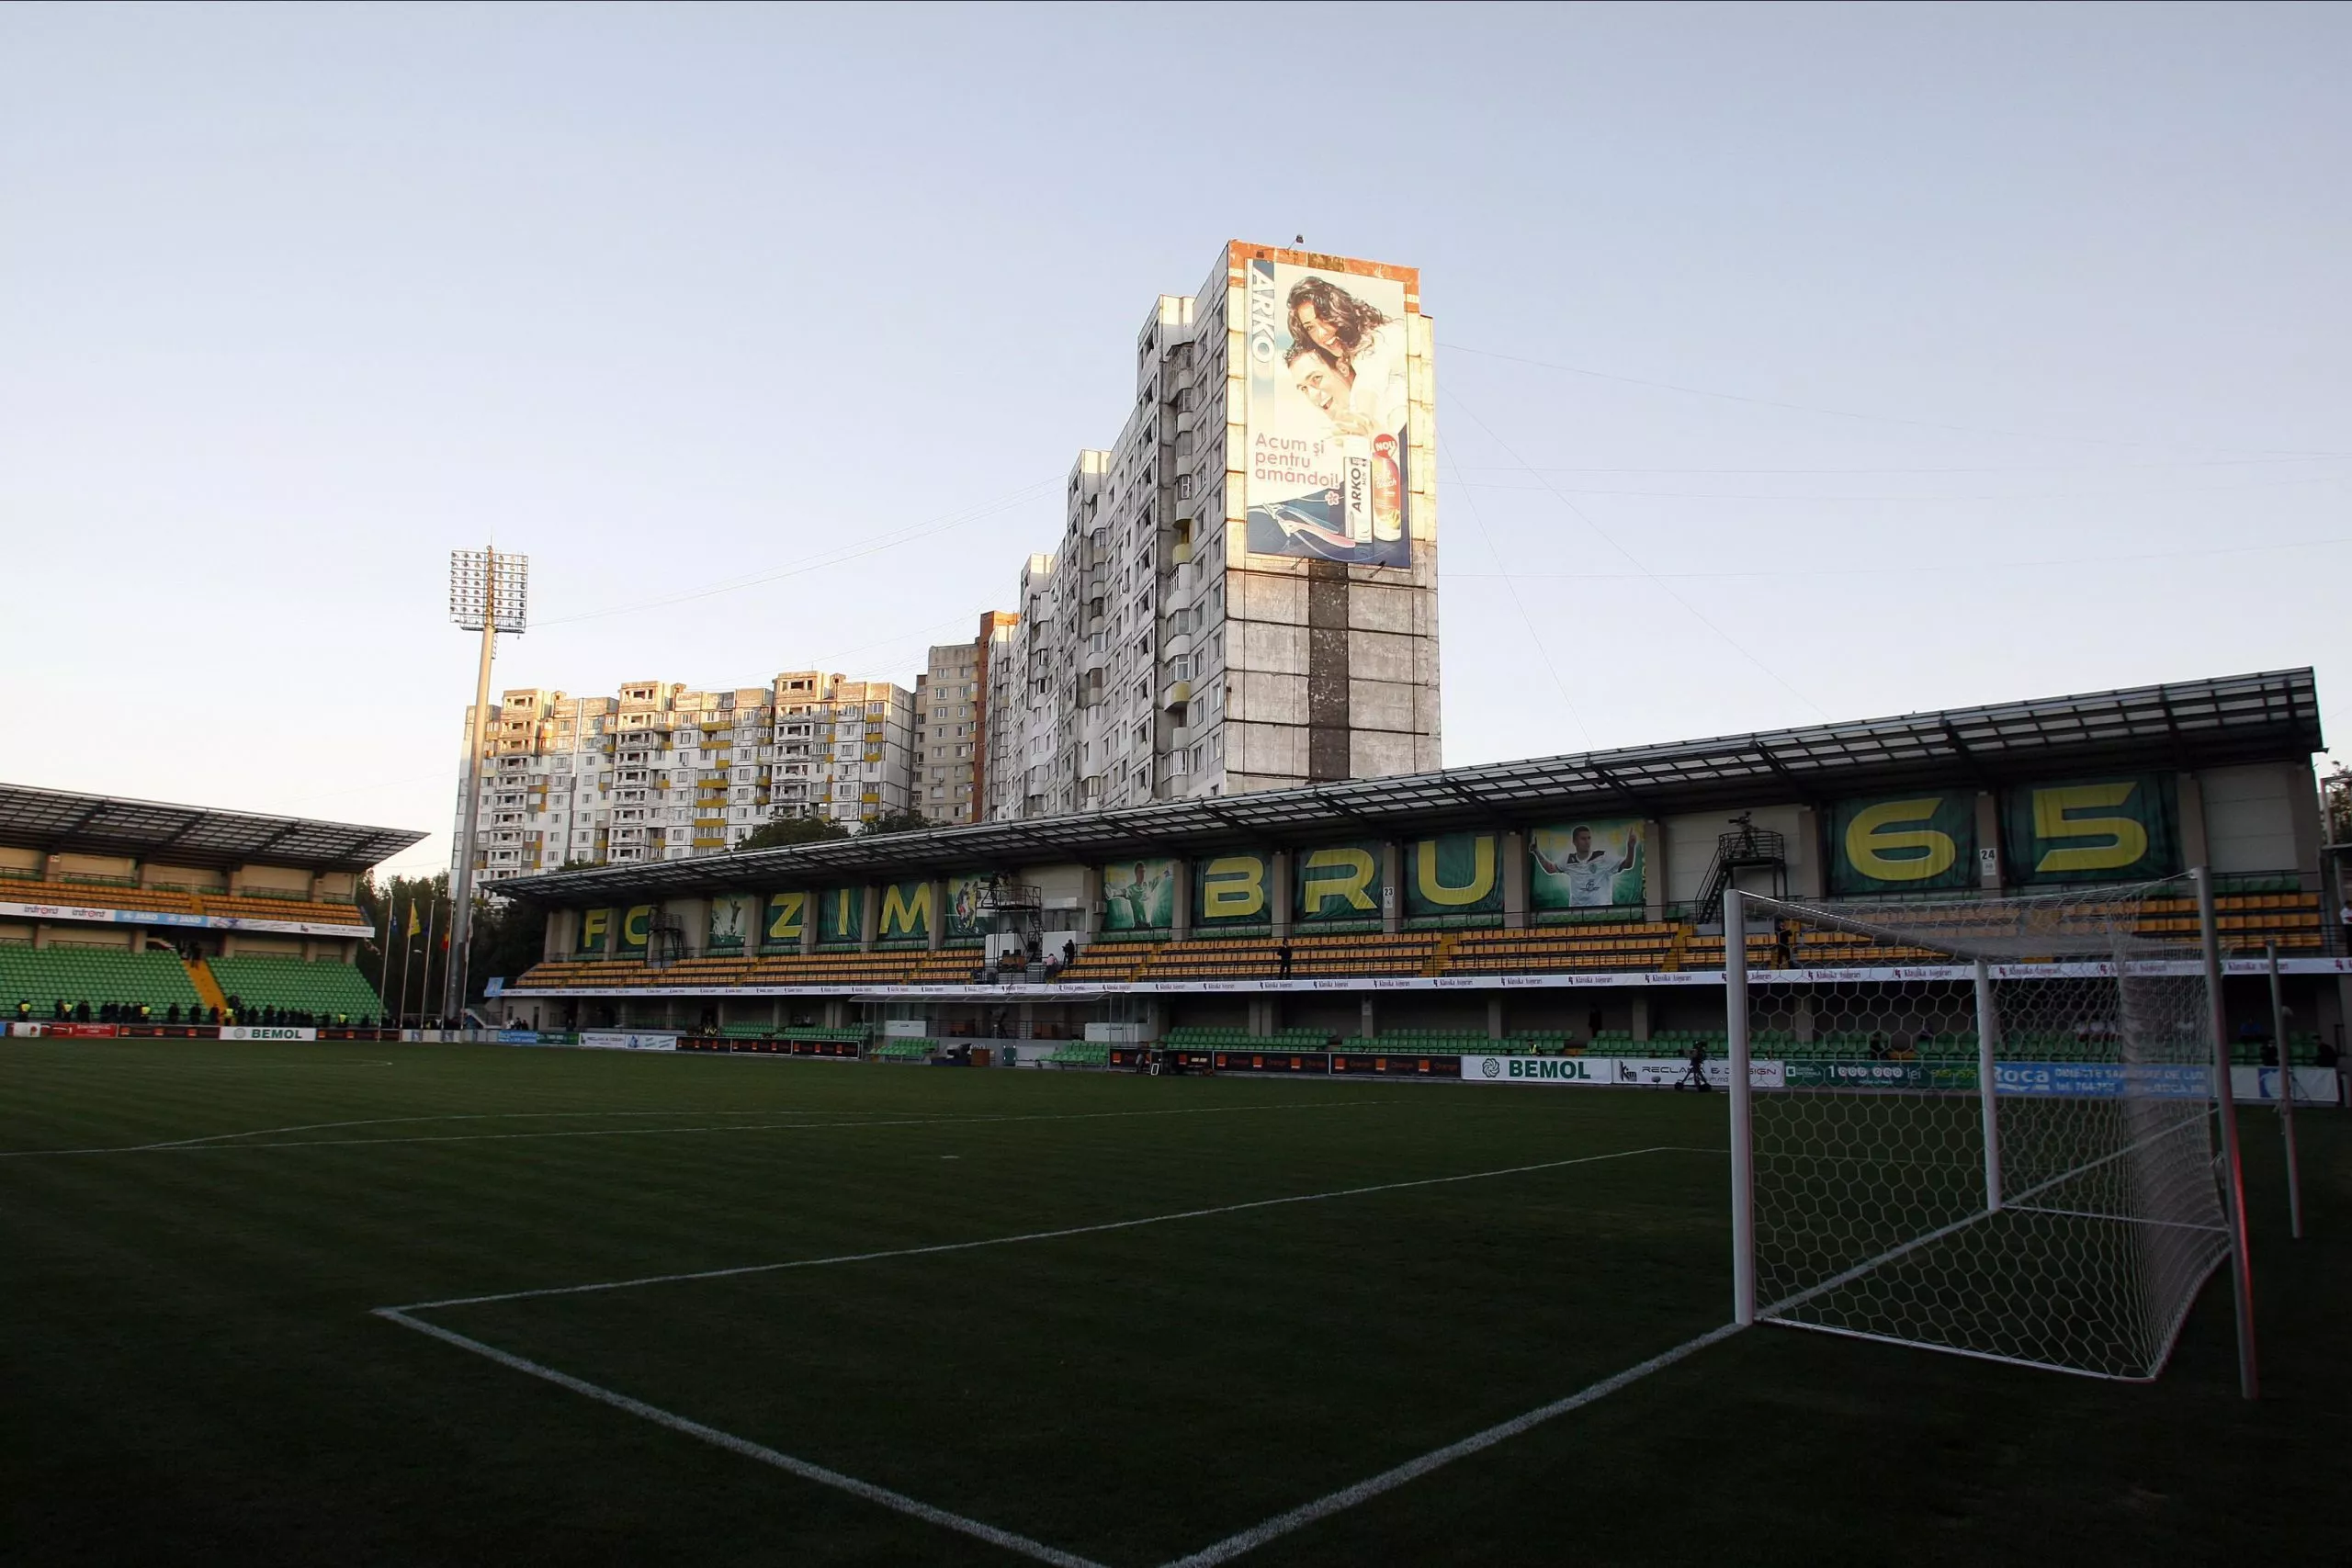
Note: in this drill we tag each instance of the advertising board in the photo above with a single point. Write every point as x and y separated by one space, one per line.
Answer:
1612 1072
1326 415
625 1040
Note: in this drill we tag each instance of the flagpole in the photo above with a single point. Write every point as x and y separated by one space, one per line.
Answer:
424 992
400 989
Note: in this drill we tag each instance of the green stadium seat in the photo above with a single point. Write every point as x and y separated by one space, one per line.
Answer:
324 989
44 977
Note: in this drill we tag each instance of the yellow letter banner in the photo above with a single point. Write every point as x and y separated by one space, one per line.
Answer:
1232 890
1903 844
1458 874
2115 830
1337 883
787 916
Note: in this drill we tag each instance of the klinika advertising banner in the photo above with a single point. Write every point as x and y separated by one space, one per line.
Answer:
1326 416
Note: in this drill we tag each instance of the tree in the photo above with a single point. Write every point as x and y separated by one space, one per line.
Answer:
900 822
507 938
783 830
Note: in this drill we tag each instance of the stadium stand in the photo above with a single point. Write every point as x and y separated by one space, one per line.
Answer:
1554 905
324 989
44 977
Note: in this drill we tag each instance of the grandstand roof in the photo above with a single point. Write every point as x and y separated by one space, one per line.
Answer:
2184 724
55 820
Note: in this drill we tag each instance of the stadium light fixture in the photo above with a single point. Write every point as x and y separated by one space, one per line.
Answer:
488 593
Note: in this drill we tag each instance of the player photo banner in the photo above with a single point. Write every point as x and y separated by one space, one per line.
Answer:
1326 415
730 918
1139 896
966 919
1597 864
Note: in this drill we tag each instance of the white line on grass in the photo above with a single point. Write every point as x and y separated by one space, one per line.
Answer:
217 1147
1221 1551
1257 1535
937 1248
897 1502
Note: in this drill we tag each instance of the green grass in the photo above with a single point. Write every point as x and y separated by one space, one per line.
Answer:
192 1370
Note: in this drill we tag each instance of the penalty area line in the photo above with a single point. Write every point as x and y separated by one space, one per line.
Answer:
897 1502
1257 1535
935 1249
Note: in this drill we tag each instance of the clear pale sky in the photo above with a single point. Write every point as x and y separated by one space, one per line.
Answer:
1795 363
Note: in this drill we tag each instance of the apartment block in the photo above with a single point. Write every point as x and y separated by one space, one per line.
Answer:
1245 596
665 772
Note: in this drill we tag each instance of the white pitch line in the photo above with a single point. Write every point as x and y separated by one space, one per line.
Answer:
1257 1535
938 1247
897 1502
217 1147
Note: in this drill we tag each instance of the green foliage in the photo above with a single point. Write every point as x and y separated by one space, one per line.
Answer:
783 831
900 822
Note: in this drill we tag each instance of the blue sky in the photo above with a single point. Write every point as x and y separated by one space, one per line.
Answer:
1795 363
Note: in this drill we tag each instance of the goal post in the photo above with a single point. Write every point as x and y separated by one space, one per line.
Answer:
1982 1125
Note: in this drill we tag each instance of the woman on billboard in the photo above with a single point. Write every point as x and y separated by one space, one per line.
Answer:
1366 344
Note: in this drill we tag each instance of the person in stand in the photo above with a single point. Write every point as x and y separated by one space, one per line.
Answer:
1878 1047
1281 956
1069 950
2344 922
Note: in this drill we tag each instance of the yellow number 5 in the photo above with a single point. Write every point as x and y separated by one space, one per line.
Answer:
2126 840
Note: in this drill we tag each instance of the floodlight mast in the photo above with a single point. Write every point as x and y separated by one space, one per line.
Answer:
487 593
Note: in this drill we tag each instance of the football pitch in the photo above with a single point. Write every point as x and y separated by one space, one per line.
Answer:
413 1304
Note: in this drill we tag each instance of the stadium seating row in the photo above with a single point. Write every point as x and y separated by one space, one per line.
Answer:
45 977
2290 919
158 980
160 900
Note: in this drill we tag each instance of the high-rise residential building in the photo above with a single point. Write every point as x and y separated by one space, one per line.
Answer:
948 700
663 771
1244 596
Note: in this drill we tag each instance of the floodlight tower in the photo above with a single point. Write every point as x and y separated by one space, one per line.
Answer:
488 593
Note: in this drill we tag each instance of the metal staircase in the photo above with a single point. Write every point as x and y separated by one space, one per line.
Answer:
1736 851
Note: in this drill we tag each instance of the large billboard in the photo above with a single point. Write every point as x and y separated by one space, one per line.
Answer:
1325 416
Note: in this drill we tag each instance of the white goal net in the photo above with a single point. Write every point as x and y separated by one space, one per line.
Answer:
1984 1126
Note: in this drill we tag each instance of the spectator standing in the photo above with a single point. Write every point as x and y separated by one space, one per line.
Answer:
1281 956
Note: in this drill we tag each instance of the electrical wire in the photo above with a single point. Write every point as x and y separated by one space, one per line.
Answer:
909 535
1453 347
1638 564
1527 620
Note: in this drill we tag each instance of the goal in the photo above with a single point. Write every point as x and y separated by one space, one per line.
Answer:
1983 1126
